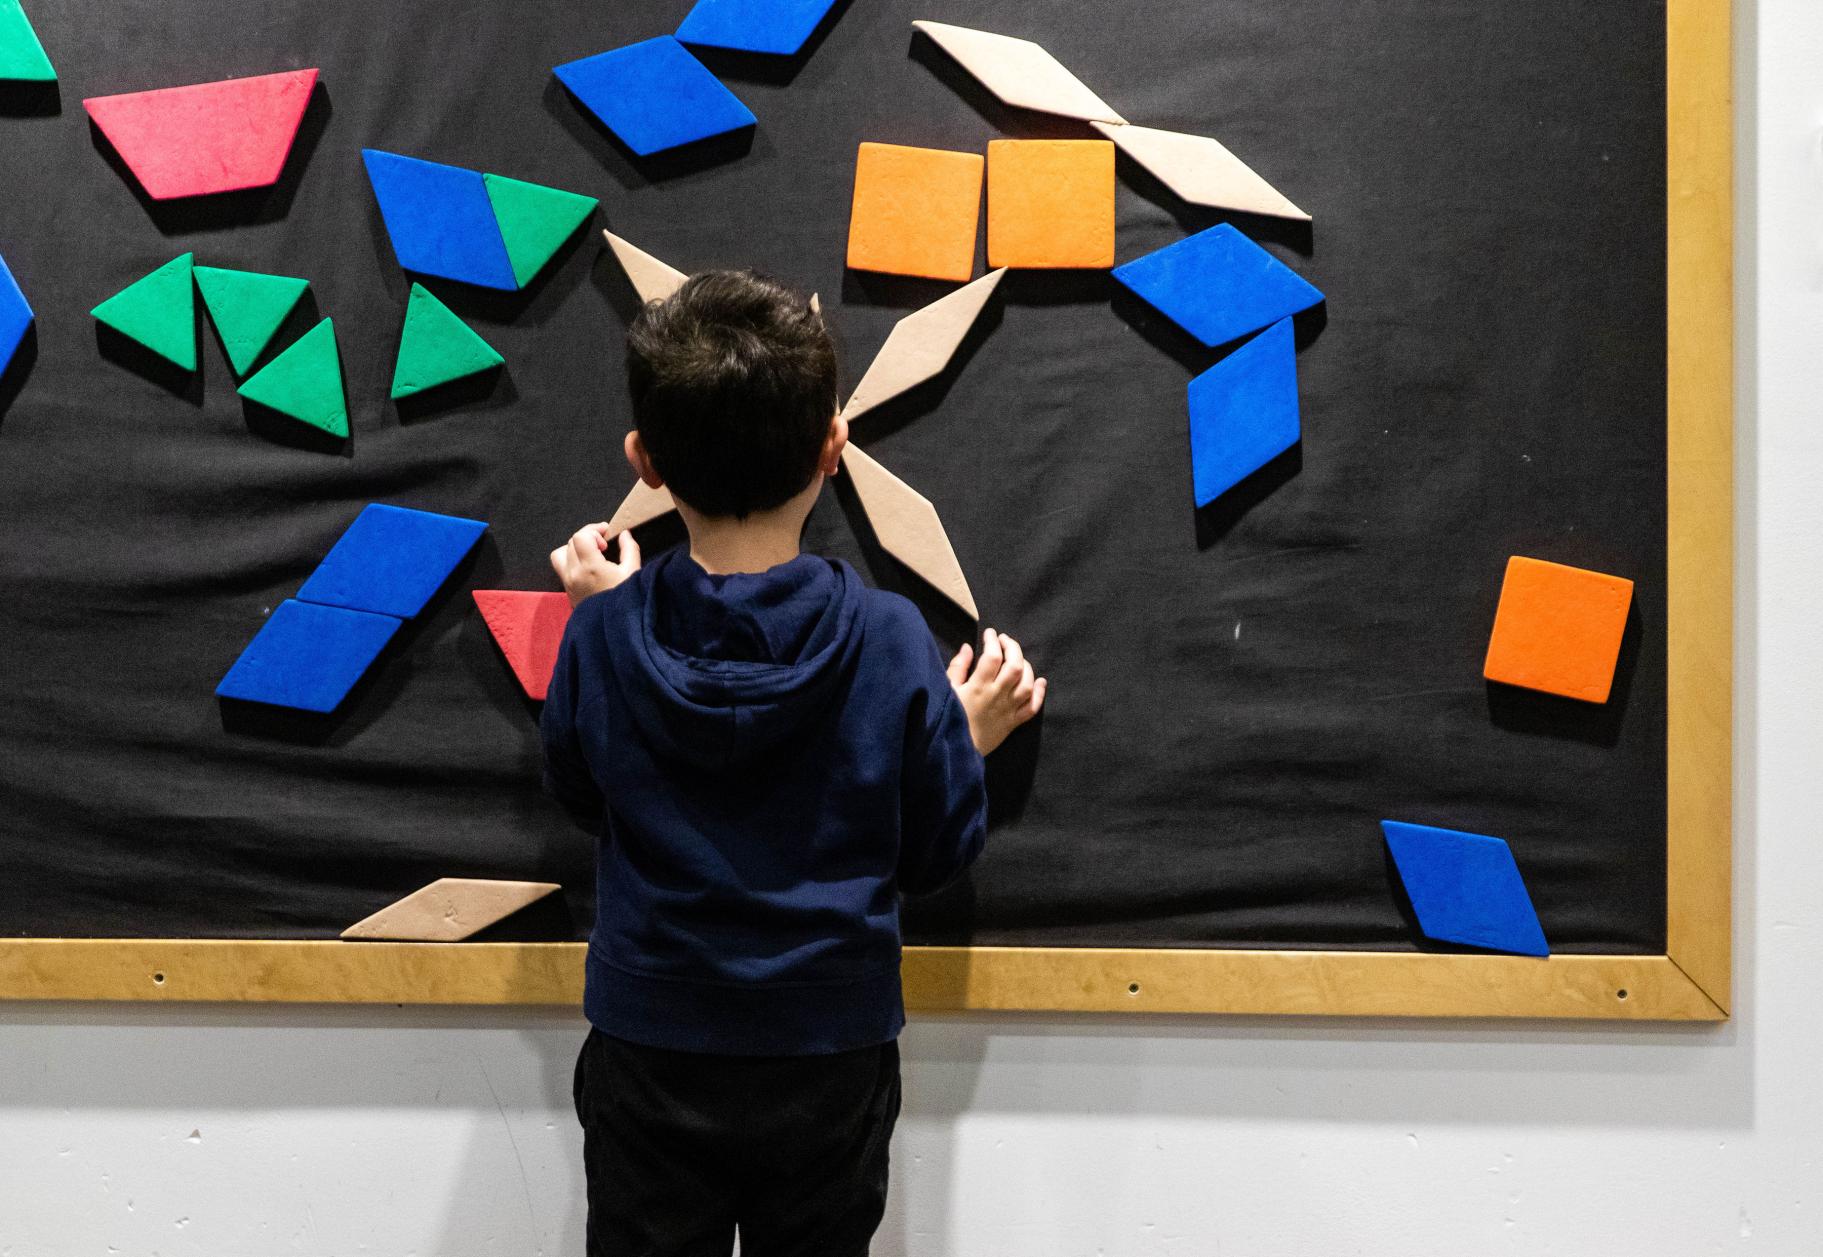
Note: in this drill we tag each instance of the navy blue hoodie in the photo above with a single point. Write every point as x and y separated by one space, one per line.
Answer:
770 759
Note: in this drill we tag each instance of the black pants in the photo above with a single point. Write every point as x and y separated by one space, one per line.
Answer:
683 1148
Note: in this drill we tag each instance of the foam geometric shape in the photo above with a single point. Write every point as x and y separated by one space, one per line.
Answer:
1218 285
1465 888
248 309
15 316
908 527
1200 170
528 628
449 910
773 26
22 58
1019 72
158 311
642 505
305 382
209 137
391 560
1050 203
440 220
1244 412
534 221
437 347
652 279
915 212
307 656
1558 629
654 95
921 345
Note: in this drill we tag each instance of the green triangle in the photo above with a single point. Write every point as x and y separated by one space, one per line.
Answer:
305 381
248 308
437 347
22 58
534 221
158 311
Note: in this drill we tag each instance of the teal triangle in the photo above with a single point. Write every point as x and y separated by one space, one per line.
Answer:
158 311
22 58
305 381
248 308
534 221
437 347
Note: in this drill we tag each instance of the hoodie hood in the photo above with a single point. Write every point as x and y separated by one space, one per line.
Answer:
718 669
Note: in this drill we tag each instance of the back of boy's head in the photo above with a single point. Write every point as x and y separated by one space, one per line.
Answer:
733 380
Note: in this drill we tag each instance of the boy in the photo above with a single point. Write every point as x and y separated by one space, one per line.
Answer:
771 753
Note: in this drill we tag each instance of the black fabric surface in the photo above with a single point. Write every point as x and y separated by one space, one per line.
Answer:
1237 696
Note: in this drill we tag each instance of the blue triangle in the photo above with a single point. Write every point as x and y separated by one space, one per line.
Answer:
1244 412
308 657
440 220
775 26
391 560
654 95
1465 888
15 316
1218 285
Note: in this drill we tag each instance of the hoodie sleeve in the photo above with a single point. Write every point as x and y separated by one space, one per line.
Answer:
566 771
945 808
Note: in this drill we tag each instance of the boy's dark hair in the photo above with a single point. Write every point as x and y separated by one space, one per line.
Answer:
733 379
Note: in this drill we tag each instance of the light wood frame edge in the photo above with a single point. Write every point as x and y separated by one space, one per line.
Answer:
1690 983
1699 763
937 979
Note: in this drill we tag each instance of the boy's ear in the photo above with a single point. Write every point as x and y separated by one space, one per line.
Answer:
834 444
641 462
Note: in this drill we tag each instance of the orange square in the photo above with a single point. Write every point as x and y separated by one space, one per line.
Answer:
1558 629
915 211
1050 203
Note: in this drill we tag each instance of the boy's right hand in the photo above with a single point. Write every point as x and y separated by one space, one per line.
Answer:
582 563
1000 694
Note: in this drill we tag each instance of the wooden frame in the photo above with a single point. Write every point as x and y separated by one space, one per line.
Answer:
1690 982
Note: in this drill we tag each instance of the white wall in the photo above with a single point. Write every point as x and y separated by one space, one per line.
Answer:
247 1132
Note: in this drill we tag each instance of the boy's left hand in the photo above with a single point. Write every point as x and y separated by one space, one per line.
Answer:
1000 693
582 562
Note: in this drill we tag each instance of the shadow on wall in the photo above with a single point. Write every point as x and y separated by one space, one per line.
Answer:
1295 1071
445 1131
522 1171
453 1130
557 1158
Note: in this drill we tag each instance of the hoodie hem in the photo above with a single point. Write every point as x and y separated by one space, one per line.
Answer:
753 1019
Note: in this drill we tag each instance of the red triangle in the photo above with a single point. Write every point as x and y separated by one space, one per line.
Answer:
529 627
212 137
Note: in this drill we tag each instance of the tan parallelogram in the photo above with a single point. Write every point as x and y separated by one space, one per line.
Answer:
449 910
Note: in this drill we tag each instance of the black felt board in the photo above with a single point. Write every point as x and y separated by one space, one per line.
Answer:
1237 696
